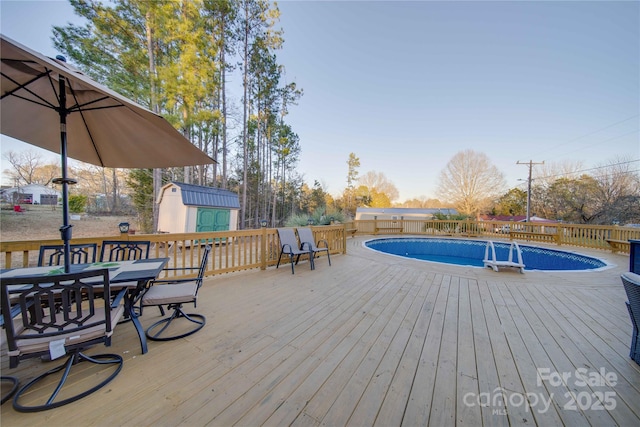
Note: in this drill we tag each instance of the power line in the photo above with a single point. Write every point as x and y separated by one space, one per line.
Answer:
598 130
598 143
601 129
589 169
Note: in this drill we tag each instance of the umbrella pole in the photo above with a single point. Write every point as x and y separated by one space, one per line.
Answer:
65 230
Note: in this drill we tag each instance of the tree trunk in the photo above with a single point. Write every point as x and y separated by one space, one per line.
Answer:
157 173
245 103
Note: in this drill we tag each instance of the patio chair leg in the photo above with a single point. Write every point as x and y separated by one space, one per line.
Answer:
279 258
156 335
75 358
14 387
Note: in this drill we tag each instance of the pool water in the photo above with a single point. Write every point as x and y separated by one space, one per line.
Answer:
471 253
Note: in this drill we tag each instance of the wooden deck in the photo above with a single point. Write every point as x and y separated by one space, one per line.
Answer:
378 340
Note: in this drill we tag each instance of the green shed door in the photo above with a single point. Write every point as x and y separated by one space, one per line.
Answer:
210 219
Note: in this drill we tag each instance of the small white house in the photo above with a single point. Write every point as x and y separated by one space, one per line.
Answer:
396 214
31 194
188 208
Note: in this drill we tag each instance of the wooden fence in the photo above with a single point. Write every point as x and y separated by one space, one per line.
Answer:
614 238
259 248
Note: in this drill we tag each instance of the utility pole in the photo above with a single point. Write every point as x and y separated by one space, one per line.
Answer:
530 163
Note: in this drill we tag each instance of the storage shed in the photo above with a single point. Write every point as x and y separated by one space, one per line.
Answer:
188 208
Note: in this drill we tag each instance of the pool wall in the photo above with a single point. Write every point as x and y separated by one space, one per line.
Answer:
471 253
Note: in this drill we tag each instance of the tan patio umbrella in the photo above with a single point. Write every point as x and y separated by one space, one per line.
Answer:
47 103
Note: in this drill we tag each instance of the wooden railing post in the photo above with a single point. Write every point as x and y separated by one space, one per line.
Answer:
344 238
615 233
559 234
263 249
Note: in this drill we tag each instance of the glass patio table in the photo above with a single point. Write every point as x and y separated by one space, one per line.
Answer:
130 274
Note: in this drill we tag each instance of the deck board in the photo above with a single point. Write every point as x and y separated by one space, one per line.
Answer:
418 406
529 325
372 340
467 366
519 333
393 406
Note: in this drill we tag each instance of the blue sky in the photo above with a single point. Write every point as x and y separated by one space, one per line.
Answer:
407 85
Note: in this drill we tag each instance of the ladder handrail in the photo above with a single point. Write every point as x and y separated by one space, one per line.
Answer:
493 251
518 252
493 261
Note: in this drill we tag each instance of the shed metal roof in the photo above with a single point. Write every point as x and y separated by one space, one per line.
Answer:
198 195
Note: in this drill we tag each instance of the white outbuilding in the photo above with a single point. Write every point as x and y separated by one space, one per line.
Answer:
31 194
396 214
188 208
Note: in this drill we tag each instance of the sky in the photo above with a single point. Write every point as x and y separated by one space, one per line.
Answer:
407 85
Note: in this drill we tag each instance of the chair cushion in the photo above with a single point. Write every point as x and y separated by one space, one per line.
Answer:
170 294
35 345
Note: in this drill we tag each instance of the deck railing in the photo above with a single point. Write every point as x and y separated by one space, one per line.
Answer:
605 237
233 250
259 248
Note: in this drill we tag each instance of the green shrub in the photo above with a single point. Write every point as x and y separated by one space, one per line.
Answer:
77 203
318 217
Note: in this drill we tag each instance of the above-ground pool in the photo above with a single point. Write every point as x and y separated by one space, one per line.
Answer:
471 253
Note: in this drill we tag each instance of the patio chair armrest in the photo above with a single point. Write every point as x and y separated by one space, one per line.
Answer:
170 281
303 244
119 296
15 310
180 268
285 250
326 244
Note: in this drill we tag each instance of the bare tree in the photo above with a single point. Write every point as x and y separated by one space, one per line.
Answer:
619 190
377 182
609 193
470 181
548 173
28 167
421 202
108 184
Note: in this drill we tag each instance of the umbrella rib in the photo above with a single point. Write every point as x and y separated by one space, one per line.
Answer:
95 147
81 107
33 101
24 86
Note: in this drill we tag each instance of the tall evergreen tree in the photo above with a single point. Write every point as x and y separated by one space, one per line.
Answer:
172 57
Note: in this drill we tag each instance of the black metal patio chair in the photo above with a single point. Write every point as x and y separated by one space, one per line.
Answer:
631 283
59 315
307 242
174 293
124 250
289 245
81 253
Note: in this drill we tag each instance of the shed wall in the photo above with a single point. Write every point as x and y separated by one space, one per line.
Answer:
397 217
172 214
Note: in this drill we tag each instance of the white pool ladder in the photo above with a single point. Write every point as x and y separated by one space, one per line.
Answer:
491 261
